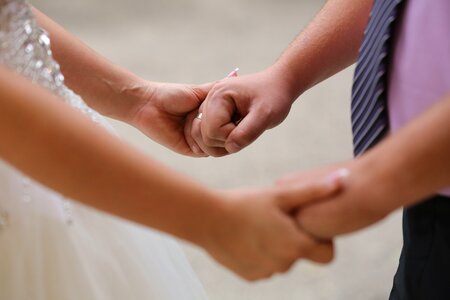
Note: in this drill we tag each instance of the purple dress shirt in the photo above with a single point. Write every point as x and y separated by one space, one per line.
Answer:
420 67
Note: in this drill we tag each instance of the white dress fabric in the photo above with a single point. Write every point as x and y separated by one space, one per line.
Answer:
52 248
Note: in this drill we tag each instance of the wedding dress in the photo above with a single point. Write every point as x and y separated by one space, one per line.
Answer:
54 248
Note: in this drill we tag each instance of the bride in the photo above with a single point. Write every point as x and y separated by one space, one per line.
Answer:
56 147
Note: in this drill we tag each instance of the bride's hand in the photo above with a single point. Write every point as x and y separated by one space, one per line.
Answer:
258 236
162 110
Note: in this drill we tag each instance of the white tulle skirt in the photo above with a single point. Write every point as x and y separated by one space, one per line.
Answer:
52 248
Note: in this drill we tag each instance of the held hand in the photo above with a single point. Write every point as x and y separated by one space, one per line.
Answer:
258 236
354 208
162 112
260 101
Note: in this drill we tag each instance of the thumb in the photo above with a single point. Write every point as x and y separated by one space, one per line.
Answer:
202 90
246 132
217 119
296 195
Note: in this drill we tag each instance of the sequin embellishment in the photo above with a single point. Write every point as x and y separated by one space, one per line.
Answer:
26 48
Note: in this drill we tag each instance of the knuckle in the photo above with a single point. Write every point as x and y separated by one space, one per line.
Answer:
240 138
327 258
196 134
286 267
212 150
266 113
216 153
266 274
209 142
245 136
219 88
260 271
251 277
304 249
293 253
285 263
324 256
211 135
265 110
246 276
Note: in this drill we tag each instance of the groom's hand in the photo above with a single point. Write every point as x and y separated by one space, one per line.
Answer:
257 235
357 206
237 111
162 112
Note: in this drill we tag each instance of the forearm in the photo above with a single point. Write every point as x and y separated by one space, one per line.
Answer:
61 148
108 88
413 163
404 169
329 44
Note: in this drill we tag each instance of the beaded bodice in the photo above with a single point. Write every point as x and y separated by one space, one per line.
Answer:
25 49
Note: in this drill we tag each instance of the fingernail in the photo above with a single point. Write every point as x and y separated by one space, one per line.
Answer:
337 176
232 147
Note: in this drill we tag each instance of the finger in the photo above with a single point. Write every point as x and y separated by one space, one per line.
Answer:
244 269
256 268
286 256
294 178
255 276
320 172
188 135
320 251
341 215
248 130
323 253
198 138
212 140
286 266
305 246
280 258
201 91
219 110
301 193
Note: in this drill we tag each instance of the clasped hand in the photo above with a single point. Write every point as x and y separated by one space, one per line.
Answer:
258 234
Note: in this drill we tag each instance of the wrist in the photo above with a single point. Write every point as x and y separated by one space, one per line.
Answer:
378 190
211 218
284 78
272 95
128 95
137 94
363 201
293 84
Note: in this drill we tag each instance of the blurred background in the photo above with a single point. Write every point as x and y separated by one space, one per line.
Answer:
197 41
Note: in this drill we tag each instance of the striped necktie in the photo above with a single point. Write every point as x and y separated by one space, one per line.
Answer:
370 121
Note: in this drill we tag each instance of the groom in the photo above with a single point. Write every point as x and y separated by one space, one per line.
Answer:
401 86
